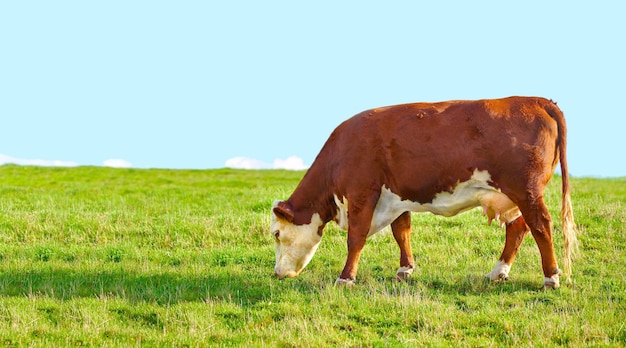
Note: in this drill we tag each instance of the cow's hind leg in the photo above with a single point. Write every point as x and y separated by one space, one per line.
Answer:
538 219
516 230
401 229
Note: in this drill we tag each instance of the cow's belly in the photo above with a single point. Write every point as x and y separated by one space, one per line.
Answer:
466 195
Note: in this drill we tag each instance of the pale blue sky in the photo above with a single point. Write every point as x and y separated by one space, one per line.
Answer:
192 84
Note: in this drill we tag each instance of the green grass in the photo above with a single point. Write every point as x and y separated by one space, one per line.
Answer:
119 257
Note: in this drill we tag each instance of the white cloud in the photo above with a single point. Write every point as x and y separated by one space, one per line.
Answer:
246 163
117 163
291 163
4 159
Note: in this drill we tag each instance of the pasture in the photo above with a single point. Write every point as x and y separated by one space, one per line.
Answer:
128 257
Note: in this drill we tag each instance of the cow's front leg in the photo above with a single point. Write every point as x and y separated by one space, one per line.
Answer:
515 233
359 223
401 229
355 246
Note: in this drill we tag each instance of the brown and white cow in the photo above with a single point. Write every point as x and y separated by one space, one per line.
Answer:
445 158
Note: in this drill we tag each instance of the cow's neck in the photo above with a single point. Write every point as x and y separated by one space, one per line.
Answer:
313 195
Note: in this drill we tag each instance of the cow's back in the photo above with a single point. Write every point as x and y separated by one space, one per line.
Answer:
418 150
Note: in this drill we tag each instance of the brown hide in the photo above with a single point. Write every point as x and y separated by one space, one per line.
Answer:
418 150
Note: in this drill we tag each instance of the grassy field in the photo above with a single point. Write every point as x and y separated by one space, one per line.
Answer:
118 257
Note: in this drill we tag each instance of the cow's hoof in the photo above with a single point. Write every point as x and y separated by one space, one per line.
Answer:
551 283
499 272
404 272
345 282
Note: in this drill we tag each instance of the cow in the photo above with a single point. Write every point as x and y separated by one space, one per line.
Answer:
445 158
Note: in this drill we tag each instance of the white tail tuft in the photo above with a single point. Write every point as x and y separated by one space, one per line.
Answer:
570 241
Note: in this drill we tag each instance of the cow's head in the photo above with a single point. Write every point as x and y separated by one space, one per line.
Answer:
295 244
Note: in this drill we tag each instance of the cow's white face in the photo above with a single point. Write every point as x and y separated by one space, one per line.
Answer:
295 244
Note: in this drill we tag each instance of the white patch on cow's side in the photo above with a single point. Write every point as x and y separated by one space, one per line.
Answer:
466 195
499 272
295 244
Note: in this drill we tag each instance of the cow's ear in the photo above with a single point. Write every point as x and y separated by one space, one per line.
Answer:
283 210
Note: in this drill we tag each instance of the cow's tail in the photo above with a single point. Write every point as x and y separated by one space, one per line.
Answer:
570 242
